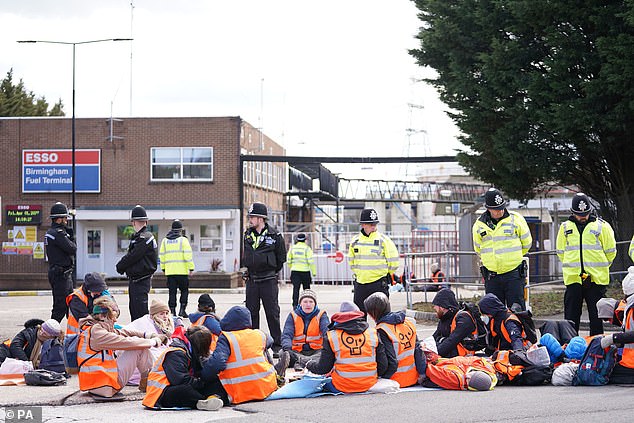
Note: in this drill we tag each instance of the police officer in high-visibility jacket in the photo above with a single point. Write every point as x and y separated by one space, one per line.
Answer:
586 248
300 261
631 249
501 238
175 257
373 259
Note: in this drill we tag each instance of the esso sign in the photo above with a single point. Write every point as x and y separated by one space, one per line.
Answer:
42 157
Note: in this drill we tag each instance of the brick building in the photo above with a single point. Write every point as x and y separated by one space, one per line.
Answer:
177 168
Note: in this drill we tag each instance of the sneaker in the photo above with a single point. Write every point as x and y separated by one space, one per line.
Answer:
212 403
282 363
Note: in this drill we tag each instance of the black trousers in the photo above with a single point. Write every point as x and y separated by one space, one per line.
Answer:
508 287
622 375
61 286
138 290
174 283
188 396
299 278
364 290
266 291
573 302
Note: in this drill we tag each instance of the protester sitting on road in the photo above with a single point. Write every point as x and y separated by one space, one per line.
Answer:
461 373
174 380
397 333
507 332
80 301
239 361
353 352
206 316
454 325
27 344
623 372
102 372
304 331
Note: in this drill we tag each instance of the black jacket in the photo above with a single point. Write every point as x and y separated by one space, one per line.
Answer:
446 340
141 258
180 368
22 344
60 249
499 315
268 258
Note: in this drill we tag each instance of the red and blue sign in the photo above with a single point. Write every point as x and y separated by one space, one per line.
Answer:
52 170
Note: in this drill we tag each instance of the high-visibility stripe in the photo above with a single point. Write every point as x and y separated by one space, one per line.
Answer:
247 378
353 375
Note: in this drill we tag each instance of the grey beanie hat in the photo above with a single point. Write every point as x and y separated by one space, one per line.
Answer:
480 381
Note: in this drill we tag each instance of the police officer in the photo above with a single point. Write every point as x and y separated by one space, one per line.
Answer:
60 250
501 238
177 263
139 263
373 259
586 248
264 255
302 265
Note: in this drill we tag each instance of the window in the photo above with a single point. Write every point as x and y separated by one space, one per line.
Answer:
93 246
124 232
211 238
182 164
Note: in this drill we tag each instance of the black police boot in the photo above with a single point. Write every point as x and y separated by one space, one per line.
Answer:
173 311
182 312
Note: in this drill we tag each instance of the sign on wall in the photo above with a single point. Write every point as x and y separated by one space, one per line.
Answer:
27 214
51 170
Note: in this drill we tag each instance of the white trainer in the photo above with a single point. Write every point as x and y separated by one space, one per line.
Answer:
212 403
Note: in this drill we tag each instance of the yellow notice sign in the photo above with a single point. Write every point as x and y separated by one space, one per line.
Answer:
10 233
38 250
19 233
31 233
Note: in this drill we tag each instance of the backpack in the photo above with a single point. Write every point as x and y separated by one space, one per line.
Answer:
596 364
481 340
52 356
70 353
534 375
526 319
515 368
43 377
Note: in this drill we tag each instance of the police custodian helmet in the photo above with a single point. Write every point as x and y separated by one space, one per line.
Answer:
59 210
581 204
494 200
258 210
138 213
369 216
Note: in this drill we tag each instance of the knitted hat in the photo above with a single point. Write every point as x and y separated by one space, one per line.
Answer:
606 307
434 267
576 348
158 306
206 303
94 282
480 381
348 306
308 293
51 328
628 282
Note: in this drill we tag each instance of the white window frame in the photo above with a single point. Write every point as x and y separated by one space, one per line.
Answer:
181 164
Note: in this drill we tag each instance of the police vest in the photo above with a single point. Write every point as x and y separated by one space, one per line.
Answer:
596 245
403 337
505 334
372 257
300 258
176 256
201 322
157 379
627 359
96 368
462 351
311 335
501 249
248 376
355 359
72 326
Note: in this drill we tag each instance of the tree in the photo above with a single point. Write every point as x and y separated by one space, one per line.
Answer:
542 90
16 101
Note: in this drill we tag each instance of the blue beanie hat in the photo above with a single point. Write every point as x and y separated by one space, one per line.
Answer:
552 345
576 348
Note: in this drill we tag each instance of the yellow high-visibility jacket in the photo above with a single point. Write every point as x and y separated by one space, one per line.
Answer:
175 256
300 258
631 251
372 257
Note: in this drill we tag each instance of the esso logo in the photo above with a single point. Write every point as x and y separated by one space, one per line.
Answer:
42 157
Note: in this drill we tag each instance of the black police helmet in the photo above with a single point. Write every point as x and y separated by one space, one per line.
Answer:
138 213
59 210
581 204
176 224
369 216
494 200
259 210
301 237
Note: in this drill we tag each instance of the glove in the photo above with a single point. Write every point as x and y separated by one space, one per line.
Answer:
157 342
606 341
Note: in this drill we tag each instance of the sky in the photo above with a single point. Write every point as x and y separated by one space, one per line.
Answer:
328 78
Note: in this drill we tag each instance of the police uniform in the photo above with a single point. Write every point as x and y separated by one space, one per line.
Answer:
176 262
139 264
302 265
60 250
586 250
501 245
264 255
373 259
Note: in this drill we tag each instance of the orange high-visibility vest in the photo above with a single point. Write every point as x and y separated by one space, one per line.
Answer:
505 333
627 359
462 351
214 338
248 376
503 365
313 335
403 337
439 276
450 373
96 368
7 343
355 359
72 326
157 379
620 312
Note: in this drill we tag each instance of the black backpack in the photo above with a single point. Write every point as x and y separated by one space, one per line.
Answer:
526 319
42 377
481 340
52 356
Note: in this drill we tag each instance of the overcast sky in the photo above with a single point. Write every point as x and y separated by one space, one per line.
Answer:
322 78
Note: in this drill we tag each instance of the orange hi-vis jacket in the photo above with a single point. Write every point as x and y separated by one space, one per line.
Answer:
157 379
496 336
503 365
72 326
248 376
355 367
451 373
403 337
201 322
312 336
462 351
96 368
627 358
620 312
